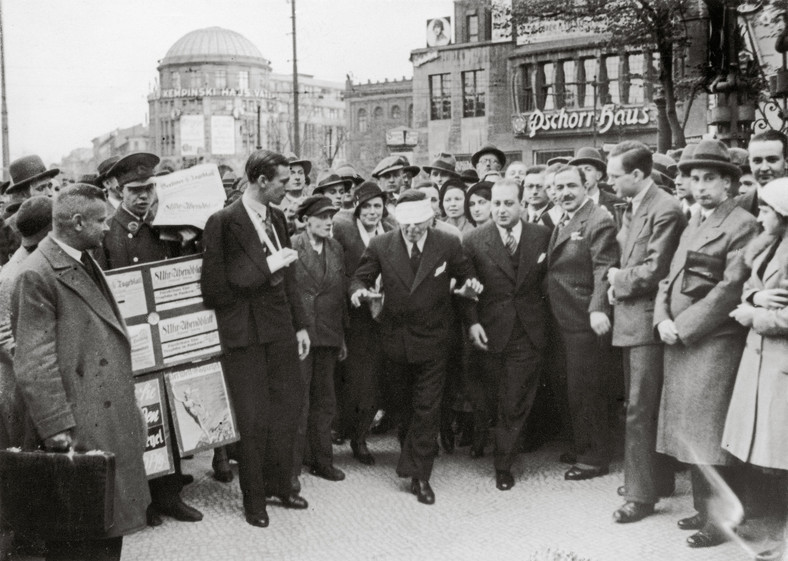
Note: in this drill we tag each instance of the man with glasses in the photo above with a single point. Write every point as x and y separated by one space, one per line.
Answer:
487 160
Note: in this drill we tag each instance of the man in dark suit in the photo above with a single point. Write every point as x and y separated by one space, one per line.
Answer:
73 363
509 255
583 248
248 279
651 225
416 263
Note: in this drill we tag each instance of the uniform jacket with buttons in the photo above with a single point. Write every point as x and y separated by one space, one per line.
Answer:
131 241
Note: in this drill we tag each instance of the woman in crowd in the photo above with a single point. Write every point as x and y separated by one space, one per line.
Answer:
758 413
477 203
452 203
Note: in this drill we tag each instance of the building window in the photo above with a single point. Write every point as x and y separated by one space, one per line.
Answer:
362 120
545 76
378 113
633 85
221 79
568 81
395 112
587 79
196 79
440 96
243 80
176 80
472 23
472 94
526 99
610 83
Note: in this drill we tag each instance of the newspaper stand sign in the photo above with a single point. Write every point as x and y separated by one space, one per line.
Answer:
149 390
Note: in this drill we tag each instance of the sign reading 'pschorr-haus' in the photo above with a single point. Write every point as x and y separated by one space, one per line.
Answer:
604 119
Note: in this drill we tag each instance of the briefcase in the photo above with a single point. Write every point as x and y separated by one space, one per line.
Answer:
56 495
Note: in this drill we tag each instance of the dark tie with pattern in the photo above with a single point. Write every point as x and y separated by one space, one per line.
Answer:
95 273
564 221
511 243
415 258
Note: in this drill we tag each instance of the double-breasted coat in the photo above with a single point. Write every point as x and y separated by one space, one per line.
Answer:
758 413
73 368
701 368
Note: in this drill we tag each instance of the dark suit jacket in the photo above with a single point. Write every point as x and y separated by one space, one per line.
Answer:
322 290
646 252
345 231
579 257
417 313
252 304
507 296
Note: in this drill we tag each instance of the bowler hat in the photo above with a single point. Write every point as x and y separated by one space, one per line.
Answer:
26 170
135 167
445 163
104 167
469 176
665 168
293 160
328 179
591 156
346 171
33 216
710 153
3 186
489 149
775 194
387 165
412 170
315 205
366 192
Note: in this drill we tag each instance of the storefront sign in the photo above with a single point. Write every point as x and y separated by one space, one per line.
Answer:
605 119
211 92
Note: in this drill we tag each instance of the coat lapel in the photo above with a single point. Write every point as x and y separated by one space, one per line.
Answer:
528 257
779 260
429 259
575 224
398 255
497 251
247 236
310 258
710 229
74 276
639 221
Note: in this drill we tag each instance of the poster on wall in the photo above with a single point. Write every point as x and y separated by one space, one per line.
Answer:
192 135
438 32
163 307
200 406
222 135
149 391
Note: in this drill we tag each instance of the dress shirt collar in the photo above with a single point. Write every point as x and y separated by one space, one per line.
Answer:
516 230
420 243
75 253
595 197
253 206
572 214
638 199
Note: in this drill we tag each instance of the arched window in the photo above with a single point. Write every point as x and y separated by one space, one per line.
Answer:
395 112
362 120
378 113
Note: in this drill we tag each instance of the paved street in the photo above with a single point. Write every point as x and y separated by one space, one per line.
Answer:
370 516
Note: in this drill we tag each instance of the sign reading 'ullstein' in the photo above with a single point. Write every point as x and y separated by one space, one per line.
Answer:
605 119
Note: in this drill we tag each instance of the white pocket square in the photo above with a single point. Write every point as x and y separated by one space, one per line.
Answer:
440 269
576 236
541 258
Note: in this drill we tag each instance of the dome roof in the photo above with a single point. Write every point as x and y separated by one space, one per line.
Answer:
213 44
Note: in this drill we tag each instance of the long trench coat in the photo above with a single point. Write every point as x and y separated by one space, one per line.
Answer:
758 414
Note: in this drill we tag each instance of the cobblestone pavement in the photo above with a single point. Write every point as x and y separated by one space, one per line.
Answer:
371 516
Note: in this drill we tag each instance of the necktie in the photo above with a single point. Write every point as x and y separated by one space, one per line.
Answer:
702 218
626 218
94 272
564 221
511 243
415 258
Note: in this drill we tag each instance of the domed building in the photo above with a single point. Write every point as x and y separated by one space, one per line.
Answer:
217 100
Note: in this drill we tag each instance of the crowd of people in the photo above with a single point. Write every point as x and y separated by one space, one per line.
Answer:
492 308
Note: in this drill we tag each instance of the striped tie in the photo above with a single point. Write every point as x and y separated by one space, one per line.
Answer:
511 243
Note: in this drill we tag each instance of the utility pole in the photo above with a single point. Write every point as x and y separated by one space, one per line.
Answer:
296 125
3 104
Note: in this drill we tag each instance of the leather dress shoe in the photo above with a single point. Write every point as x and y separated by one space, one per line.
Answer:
503 480
179 510
576 473
259 519
152 517
694 522
567 458
421 488
632 512
294 501
773 554
337 438
362 453
328 472
187 478
222 471
709 536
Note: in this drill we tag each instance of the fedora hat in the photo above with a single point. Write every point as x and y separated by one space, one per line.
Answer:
135 167
328 179
445 163
387 165
686 154
489 149
346 171
469 176
315 205
591 156
710 153
26 170
366 192
293 160
664 170
412 170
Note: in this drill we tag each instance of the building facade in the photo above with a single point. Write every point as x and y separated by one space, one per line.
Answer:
217 100
120 142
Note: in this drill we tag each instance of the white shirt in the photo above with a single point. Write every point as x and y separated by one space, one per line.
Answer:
706 212
420 243
75 253
257 213
517 231
637 199
595 197
366 236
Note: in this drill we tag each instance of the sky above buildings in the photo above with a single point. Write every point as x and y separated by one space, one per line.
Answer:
76 69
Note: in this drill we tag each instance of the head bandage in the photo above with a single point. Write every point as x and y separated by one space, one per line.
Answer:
413 212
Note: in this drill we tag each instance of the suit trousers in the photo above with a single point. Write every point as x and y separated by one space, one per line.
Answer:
363 368
417 389
705 492
515 374
647 474
265 386
165 491
84 550
313 439
583 357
